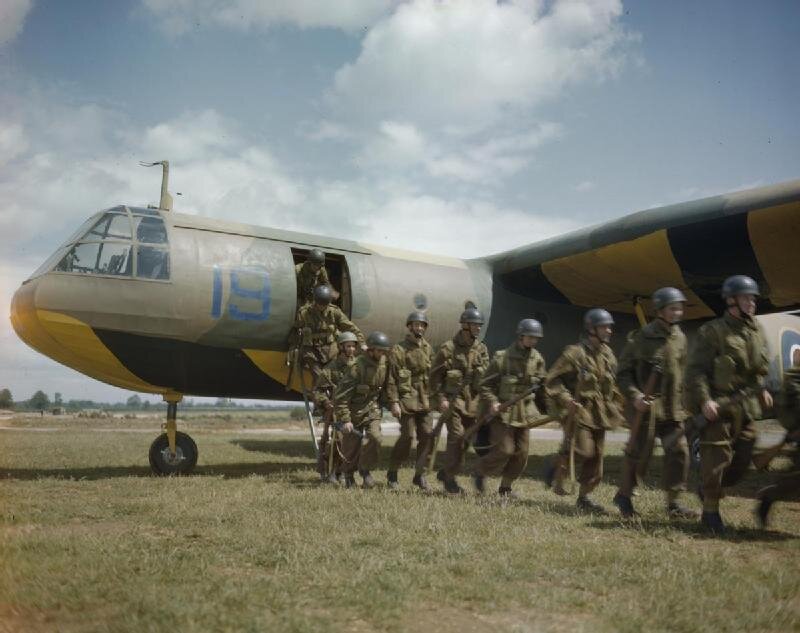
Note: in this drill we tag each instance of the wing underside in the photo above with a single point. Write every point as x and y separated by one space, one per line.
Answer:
693 246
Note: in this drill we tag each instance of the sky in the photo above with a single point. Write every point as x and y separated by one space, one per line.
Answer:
459 127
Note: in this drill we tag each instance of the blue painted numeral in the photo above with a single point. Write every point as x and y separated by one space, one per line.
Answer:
239 276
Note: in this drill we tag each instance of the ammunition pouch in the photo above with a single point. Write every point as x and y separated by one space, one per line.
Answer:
404 381
509 387
453 382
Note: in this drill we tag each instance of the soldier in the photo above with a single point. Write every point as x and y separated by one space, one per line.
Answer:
315 331
455 376
409 367
724 381
653 360
511 373
310 274
788 486
582 384
358 401
326 387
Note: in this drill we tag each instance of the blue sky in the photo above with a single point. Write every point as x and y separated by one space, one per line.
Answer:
455 127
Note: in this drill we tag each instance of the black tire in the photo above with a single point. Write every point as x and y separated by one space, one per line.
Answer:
185 455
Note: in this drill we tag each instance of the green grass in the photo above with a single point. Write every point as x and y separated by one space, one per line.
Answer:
89 541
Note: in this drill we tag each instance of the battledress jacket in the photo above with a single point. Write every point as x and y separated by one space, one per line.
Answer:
307 280
650 347
362 391
456 373
589 377
409 369
510 373
728 363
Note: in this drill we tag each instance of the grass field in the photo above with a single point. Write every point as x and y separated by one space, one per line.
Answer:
90 541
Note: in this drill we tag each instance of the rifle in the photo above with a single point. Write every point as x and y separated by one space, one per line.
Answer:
649 389
699 421
503 408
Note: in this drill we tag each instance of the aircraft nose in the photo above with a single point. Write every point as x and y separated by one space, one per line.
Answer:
24 319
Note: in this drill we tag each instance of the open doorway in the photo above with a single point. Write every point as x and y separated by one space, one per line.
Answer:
336 265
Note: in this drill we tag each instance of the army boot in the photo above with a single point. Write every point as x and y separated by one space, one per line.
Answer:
369 482
420 482
451 486
763 508
391 480
559 475
349 480
506 493
332 478
479 482
712 522
586 505
625 506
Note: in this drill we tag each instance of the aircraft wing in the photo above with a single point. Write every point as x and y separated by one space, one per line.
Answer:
693 246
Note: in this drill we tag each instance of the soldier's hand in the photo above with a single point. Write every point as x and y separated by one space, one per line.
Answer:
329 406
710 410
347 427
766 399
444 405
642 404
363 347
572 406
495 408
395 410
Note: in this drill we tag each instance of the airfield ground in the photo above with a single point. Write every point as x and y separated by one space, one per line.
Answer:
90 541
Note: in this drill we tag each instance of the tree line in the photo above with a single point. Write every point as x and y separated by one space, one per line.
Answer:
40 401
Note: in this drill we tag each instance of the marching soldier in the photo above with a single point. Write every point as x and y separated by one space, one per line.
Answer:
511 373
310 274
358 401
725 382
788 486
650 375
409 367
582 384
455 376
330 377
315 331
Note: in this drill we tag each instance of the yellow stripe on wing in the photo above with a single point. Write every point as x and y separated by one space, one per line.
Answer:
775 237
612 276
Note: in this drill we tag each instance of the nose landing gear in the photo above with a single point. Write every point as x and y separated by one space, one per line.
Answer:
173 452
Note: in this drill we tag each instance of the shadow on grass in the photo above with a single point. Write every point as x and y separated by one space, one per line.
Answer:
694 529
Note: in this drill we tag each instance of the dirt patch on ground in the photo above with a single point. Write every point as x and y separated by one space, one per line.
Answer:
15 619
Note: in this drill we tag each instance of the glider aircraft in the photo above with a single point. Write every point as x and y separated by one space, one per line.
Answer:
155 301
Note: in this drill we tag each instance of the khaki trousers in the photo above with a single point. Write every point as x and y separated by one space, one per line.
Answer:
410 423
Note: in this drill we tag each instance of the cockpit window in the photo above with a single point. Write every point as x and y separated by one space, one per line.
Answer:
111 226
150 230
110 247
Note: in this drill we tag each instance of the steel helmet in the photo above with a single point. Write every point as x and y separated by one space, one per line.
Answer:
530 327
322 294
739 285
346 337
378 340
597 316
664 296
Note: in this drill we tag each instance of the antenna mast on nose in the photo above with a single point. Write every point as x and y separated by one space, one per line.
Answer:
166 200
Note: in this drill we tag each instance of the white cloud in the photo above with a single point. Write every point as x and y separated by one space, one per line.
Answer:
179 16
12 18
12 141
585 185
471 61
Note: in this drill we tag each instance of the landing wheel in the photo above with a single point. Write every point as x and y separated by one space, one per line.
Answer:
163 462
